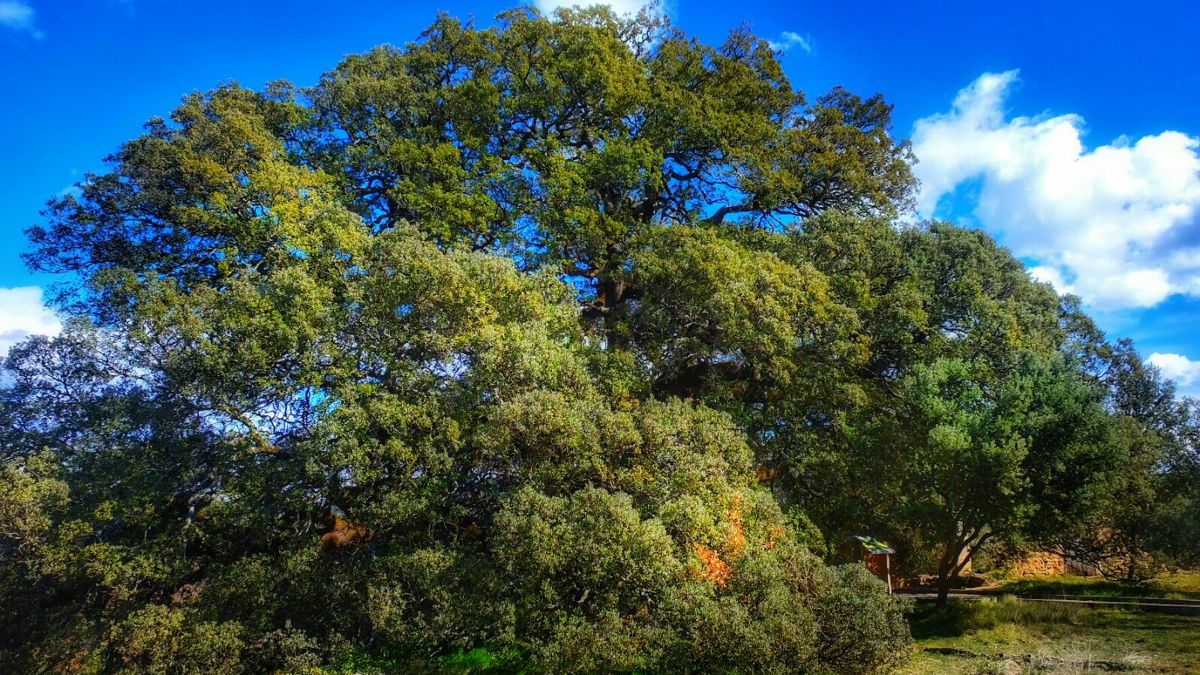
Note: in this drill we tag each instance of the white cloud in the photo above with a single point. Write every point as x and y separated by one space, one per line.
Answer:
1178 367
18 15
619 6
1052 276
22 314
1118 224
788 39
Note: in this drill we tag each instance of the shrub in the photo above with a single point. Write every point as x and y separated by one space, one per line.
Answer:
862 628
158 639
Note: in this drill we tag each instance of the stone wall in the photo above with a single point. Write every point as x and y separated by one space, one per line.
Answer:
1039 564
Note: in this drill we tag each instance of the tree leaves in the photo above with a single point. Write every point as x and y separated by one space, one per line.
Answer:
522 315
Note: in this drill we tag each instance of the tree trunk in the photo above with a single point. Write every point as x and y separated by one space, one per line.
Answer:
954 562
943 586
943 596
946 570
611 290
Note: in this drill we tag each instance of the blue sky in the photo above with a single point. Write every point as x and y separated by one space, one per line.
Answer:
1070 132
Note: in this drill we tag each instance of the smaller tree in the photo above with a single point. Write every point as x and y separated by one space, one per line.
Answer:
1140 520
983 458
1180 525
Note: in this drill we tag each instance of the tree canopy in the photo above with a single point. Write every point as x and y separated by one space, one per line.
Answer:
572 338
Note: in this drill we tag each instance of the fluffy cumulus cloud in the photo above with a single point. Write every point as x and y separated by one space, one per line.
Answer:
1178 367
788 40
618 6
1117 224
22 314
17 15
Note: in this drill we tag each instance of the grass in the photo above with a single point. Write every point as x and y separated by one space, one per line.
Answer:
481 660
1185 584
1007 635
1179 585
472 662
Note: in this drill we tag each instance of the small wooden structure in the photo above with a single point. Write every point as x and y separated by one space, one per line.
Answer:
878 557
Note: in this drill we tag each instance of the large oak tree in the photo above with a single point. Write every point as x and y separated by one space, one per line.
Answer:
492 341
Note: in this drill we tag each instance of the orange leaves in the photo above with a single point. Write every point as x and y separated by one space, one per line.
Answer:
713 568
735 535
766 475
777 532
344 533
473 531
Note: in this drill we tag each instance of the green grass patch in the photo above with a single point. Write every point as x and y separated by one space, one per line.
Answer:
481 660
1184 584
1179 585
478 660
1012 636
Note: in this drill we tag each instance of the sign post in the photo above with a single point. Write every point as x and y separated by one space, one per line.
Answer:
874 547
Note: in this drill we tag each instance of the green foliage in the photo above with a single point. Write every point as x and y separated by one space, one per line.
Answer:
480 660
567 548
860 630
997 460
159 639
719 320
525 339
32 495
1143 520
